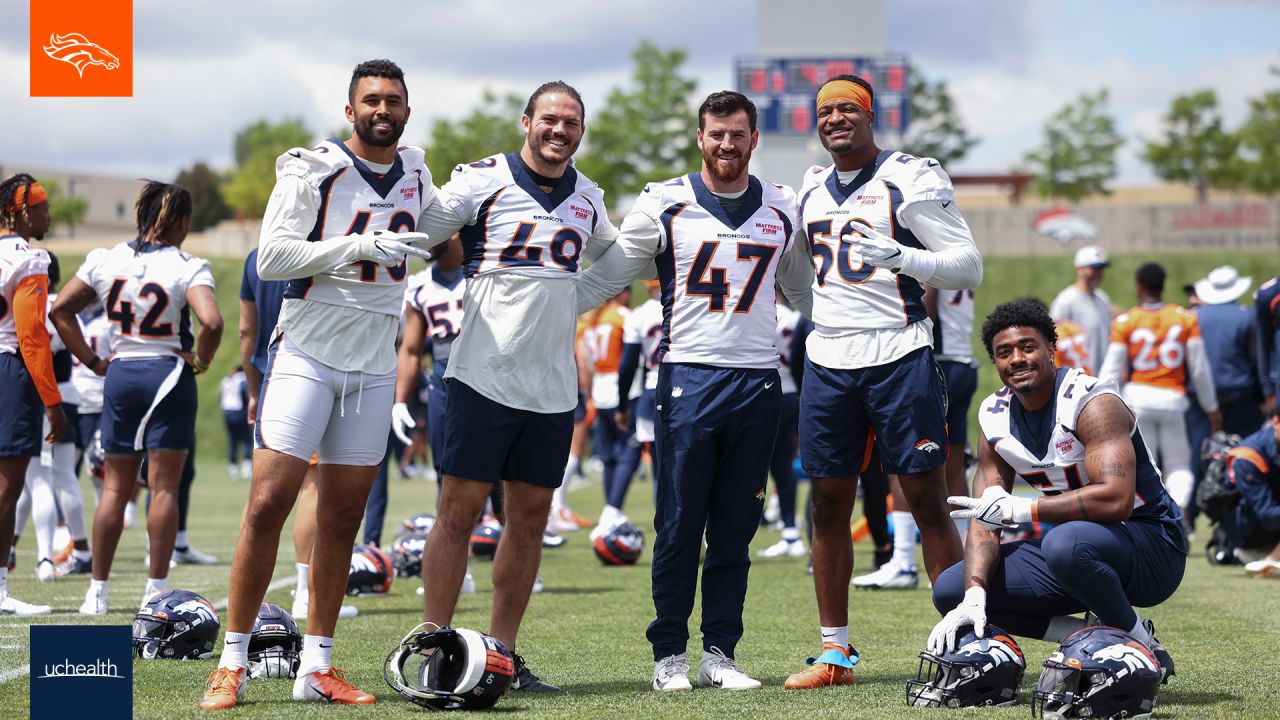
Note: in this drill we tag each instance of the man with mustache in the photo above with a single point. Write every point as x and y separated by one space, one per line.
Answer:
881 225
526 219
337 228
720 238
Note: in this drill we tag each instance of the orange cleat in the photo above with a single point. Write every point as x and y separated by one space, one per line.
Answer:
62 555
581 520
331 686
226 688
833 667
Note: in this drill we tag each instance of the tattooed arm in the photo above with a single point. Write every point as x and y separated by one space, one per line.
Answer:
982 548
1109 461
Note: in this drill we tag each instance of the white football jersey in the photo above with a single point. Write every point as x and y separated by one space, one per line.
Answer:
644 328
18 261
63 361
513 226
440 302
785 331
97 332
953 333
144 290
354 199
849 294
1052 460
717 270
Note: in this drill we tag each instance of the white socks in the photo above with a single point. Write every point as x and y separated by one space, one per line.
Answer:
838 636
302 579
791 534
904 539
155 586
315 654
180 542
570 470
235 650
4 579
98 587
1140 632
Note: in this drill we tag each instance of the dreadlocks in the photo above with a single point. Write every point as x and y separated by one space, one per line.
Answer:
160 207
13 193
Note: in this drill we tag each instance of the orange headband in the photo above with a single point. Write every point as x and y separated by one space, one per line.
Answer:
845 90
21 197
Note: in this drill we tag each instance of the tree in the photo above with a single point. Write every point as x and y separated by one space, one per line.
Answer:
209 207
1078 156
64 209
936 130
645 132
1196 149
256 148
492 127
1260 153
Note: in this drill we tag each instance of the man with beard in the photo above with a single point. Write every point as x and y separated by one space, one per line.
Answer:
526 219
720 239
337 228
881 225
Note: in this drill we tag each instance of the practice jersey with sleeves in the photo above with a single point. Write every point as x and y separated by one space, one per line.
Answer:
1266 303
717 270
1072 347
1044 449
864 315
18 261
522 248
63 360
953 333
644 328
347 317
784 335
97 333
439 299
143 287
1158 348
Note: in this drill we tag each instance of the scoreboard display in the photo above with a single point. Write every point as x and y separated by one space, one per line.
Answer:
786 89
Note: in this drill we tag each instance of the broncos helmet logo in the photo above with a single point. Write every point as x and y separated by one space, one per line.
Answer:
75 49
1132 657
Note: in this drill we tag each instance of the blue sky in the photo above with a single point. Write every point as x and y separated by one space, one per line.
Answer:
206 69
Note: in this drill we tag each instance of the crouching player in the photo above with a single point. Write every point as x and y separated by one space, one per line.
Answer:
1117 539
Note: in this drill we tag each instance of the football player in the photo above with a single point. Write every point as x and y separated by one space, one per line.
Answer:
337 228
527 219
1156 347
149 287
610 441
28 386
1117 538
782 463
1266 303
720 238
881 225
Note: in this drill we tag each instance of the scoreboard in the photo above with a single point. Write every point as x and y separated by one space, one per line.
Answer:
786 89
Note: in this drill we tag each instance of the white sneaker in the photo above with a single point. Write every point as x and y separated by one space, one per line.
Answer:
610 517
671 674
300 603
772 510
468 584
13 607
95 603
234 471
246 470
130 513
537 584
890 576
560 520
551 539
192 556
720 671
784 548
44 570
1264 568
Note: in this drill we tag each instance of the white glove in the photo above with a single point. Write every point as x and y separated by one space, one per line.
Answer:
875 247
972 611
996 509
402 422
390 248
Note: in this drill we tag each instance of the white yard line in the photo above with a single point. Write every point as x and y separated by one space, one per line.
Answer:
14 674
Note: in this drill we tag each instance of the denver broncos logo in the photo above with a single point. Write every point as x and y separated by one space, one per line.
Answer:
75 49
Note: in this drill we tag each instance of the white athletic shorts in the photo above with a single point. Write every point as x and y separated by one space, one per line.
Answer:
309 408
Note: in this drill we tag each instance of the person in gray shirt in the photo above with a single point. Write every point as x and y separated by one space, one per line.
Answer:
1086 303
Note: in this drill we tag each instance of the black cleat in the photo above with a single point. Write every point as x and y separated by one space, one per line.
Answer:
526 681
1162 655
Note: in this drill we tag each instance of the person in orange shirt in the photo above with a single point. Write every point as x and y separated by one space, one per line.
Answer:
1073 346
28 388
604 342
1155 351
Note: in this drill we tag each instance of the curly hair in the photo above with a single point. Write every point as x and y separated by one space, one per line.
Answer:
8 190
1026 312
376 68
160 206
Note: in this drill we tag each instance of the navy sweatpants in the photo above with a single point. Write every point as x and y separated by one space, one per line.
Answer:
715 434
1106 568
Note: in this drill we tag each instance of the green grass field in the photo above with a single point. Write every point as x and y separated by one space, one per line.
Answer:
586 631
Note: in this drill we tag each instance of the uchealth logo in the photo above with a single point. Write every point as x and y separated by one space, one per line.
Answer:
81 670
81 48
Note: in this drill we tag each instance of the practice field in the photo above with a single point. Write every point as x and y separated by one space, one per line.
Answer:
586 631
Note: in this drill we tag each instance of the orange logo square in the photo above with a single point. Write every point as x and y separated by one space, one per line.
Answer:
81 48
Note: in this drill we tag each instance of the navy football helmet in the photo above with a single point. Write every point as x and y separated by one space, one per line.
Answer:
1099 672
371 571
622 545
406 553
485 538
979 671
450 669
275 645
420 523
177 625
